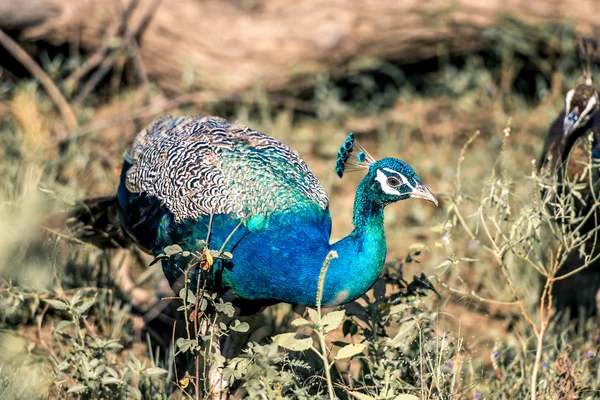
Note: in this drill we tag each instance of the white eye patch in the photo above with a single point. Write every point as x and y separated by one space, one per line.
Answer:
402 178
590 106
382 179
568 99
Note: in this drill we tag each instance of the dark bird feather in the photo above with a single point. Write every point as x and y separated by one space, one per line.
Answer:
571 146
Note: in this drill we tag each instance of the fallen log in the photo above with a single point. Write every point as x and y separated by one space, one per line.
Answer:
232 46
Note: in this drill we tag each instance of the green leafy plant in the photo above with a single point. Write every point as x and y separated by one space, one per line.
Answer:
87 364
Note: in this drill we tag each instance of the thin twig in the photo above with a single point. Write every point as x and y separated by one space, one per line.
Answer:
231 235
21 55
141 72
108 62
320 329
196 334
477 297
95 59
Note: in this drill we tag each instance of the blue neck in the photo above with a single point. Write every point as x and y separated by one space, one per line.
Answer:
361 255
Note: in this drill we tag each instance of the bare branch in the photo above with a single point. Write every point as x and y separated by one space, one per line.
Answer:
21 55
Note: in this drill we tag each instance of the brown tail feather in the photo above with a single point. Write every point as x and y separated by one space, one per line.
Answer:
95 221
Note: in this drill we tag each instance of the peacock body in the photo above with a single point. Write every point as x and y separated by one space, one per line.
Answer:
572 144
193 180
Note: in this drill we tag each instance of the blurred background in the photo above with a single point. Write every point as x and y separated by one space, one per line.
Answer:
413 79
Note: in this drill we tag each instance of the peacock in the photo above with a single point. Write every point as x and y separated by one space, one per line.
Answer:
573 137
202 181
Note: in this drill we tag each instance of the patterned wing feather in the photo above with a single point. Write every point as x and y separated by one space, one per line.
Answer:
205 165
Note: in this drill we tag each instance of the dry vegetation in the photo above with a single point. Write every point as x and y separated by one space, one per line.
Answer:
77 322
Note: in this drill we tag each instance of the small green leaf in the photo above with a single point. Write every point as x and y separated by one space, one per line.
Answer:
203 304
313 315
173 249
111 381
113 345
190 298
350 351
361 396
61 325
63 366
300 322
86 305
210 256
399 308
339 343
112 372
332 320
158 258
225 308
379 290
155 371
58 304
217 358
406 397
291 342
240 326
76 298
349 327
184 344
77 388
403 334
134 393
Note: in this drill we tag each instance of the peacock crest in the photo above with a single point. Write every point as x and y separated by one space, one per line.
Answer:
352 157
586 52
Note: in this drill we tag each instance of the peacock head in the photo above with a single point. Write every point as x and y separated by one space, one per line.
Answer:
582 102
387 181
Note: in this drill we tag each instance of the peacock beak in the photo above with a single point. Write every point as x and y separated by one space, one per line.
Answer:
422 192
570 123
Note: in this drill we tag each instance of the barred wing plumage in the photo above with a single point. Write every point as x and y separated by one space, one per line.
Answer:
204 165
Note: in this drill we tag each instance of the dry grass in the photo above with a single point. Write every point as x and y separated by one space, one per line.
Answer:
480 337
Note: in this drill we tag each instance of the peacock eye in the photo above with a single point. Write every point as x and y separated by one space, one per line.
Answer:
393 181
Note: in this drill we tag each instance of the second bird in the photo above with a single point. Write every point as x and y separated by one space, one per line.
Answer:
572 139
